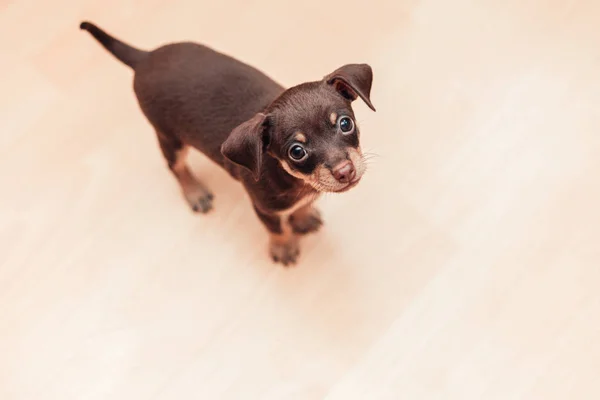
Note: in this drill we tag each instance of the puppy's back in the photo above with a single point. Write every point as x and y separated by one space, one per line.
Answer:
199 95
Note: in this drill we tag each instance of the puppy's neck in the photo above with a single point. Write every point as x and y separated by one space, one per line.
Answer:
283 190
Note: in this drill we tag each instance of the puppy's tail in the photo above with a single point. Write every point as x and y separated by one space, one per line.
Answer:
125 53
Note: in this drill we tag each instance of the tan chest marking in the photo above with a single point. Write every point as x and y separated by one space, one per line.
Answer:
287 232
304 201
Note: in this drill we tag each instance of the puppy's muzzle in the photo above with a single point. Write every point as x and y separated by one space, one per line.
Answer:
344 172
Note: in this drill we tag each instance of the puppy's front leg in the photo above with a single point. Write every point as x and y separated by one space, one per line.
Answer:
306 220
284 246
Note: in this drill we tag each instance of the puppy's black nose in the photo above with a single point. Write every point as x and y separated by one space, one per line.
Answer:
344 172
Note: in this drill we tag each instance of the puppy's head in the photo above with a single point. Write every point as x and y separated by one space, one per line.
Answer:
310 130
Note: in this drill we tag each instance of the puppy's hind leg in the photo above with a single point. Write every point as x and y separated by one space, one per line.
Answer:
195 192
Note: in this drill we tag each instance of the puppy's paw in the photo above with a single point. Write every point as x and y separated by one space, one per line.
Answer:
285 253
307 221
200 200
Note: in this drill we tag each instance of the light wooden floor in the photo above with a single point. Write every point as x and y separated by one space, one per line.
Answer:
466 265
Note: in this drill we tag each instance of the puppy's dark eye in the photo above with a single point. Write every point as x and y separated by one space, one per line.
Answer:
346 125
297 152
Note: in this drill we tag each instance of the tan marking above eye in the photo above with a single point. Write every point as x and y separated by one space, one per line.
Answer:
333 118
300 137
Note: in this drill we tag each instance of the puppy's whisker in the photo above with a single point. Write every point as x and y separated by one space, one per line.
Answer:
369 158
370 154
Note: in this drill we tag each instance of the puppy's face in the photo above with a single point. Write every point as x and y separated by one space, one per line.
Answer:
314 136
311 130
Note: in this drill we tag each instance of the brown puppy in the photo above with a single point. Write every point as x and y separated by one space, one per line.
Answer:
284 146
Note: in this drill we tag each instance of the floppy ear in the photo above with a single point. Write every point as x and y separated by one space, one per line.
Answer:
353 80
245 144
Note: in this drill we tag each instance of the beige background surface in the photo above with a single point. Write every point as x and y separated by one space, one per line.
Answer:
466 265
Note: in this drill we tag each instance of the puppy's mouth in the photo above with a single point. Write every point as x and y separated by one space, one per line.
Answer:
349 186
323 179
